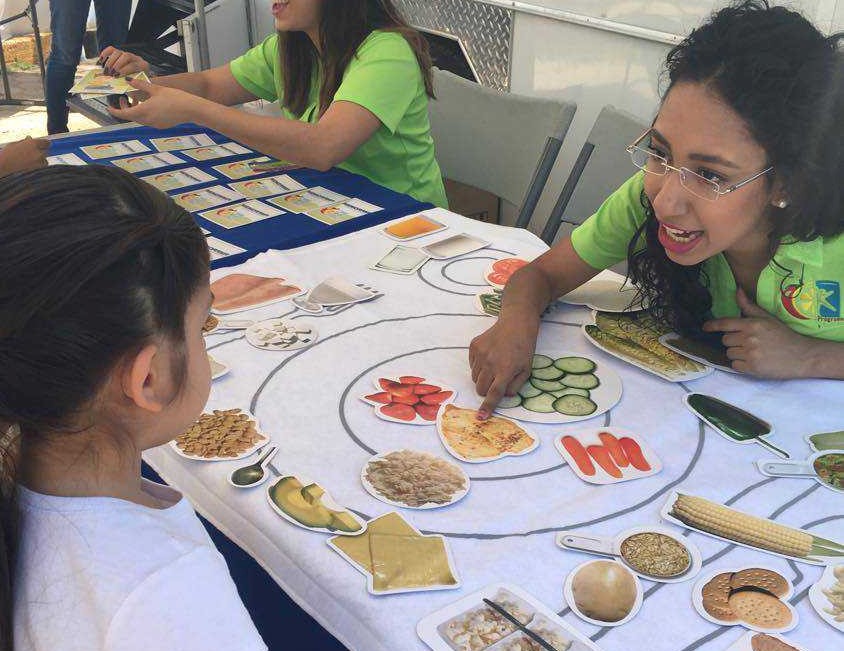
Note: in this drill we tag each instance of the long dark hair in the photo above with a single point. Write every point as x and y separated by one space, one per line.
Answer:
94 264
786 80
344 25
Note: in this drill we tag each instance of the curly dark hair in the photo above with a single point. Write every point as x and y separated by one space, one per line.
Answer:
786 80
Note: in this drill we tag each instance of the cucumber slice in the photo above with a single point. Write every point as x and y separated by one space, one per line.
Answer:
571 391
575 365
529 391
547 385
541 361
572 405
543 403
581 381
548 373
508 402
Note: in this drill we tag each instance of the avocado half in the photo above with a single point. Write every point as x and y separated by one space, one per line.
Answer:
304 504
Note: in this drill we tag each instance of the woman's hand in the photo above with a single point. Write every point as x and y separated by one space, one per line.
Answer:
500 359
762 345
156 106
22 155
119 63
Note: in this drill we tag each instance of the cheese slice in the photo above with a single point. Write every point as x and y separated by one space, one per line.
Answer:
409 562
356 548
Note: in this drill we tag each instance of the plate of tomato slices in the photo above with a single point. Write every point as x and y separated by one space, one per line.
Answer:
409 399
499 272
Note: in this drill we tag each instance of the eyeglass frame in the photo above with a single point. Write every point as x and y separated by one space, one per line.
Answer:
682 171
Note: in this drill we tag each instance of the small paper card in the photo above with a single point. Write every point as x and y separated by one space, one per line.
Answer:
310 199
241 214
65 159
340 212
455 245
178 178
96 82
257 188
147 162
413 227
173 143
112 149
206 198
240 169
217 151
401 260
220 249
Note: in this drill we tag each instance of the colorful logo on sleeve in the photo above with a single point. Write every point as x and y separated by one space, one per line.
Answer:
821 300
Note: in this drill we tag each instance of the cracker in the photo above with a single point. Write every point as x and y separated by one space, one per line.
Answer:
760 609
716 595
757 577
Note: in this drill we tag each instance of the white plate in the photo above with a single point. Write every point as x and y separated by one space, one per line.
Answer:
601 476
454 246
678 377
819 600
606 395
327 501
665 513
697 601
259 444
569 595
456 497
428 632
667 339
369 580
281 334
614 547
456 455
607 294
417 420
744 642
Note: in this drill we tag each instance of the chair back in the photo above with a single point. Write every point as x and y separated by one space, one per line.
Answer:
503 143
601 167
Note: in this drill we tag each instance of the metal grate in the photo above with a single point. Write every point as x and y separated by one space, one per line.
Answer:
483 31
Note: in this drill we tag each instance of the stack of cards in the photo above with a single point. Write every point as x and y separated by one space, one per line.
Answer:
96 83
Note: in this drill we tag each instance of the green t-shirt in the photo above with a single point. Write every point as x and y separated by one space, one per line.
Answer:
383 77
800 286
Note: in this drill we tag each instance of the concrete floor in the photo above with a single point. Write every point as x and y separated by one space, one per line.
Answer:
17 122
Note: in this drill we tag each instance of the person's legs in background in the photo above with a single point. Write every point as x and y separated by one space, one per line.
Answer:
67 23
112 22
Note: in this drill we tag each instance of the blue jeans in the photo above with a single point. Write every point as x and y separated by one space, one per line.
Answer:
67 22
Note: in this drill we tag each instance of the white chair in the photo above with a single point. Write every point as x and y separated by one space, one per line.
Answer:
503 143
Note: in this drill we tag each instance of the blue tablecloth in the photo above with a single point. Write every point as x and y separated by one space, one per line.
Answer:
282 232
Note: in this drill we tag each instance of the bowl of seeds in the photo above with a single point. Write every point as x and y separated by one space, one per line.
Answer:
222 435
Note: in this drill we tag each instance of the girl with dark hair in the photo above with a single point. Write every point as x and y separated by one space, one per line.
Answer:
353 81
733 225
103 295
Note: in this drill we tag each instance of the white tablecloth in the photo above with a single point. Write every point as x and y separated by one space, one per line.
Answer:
504 529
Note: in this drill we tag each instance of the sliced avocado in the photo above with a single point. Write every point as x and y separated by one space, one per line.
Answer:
313 493
287 495
343 521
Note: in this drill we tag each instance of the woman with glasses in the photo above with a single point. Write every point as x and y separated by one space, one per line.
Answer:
733 224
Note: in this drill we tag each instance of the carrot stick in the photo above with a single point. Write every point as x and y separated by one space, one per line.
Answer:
603 459
612 446
578 453
634 453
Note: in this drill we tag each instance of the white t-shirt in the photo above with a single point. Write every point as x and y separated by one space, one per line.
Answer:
104 573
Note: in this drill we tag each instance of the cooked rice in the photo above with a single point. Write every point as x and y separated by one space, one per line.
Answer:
415 478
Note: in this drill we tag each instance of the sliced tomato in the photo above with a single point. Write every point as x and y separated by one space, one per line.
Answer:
496 278
403 390
388 385
422 389
398 411
508 265
412 399
411 379
428 412
437 398
382 396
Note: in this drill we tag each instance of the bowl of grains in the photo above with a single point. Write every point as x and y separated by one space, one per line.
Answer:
414 480
223 435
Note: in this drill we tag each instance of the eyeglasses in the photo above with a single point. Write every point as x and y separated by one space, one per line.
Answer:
649 161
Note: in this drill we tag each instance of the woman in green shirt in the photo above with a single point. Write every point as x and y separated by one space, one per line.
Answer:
734 225
353 81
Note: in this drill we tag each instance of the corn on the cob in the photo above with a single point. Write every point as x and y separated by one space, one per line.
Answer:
734 525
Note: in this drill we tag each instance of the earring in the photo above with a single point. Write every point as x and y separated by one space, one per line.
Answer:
782 203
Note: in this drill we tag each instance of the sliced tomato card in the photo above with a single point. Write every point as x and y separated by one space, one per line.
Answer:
409 399
499 272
